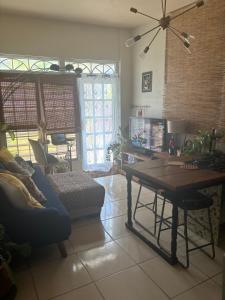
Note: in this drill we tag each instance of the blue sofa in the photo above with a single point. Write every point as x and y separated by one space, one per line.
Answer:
36 226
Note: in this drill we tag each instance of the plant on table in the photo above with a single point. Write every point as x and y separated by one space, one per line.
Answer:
204 143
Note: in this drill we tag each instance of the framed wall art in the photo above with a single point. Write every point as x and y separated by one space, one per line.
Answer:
147 82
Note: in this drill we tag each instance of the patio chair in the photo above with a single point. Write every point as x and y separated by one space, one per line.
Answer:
47 161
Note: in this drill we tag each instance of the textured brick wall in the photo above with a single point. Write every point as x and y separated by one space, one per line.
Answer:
195 85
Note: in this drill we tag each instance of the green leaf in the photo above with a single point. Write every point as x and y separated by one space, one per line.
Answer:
12 134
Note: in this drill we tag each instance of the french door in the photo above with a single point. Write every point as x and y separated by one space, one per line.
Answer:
99 103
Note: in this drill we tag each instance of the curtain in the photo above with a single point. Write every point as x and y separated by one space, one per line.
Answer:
100 111
21 110
60 103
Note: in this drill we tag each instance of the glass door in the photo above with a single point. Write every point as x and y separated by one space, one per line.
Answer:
99 115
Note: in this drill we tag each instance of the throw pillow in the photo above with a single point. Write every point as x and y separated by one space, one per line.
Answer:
25 165
17 193
30 185
5 155
10 163
14 167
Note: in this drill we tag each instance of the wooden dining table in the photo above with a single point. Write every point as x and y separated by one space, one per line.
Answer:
160 174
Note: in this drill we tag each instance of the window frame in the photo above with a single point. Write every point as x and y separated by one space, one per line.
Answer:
95 65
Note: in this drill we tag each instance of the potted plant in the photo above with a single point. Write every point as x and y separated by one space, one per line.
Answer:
7 251
139 140
114 149
204 143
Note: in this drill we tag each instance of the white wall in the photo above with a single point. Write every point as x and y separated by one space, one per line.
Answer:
154 61
50 38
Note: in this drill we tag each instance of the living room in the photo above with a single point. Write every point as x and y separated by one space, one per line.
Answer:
129 132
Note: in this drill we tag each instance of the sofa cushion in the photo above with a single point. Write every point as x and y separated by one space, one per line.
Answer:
5 155
30 185
17 193
25 165
9 162
44 185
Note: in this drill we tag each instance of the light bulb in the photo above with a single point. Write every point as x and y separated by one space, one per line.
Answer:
187 47
186 44
187 36
188 50
200 3
131 41
133 10
142 55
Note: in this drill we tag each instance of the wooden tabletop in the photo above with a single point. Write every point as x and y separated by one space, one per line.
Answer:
174 178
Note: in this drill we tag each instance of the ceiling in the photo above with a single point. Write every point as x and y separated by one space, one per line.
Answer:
100 12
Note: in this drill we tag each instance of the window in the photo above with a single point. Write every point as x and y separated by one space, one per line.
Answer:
22 110
94 68
50 99
61 150
26 64
21 146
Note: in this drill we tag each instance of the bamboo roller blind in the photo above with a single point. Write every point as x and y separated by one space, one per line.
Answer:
53 94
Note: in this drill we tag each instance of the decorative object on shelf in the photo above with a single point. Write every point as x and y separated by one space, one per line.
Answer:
141 110
138 139
139 113
172 146
175 128
163 24
147 82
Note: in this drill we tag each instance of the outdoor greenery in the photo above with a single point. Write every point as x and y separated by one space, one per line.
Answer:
4 128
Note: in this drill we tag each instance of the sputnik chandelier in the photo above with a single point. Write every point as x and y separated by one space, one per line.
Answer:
165 24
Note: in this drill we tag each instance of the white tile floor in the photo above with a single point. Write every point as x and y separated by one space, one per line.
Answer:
106 261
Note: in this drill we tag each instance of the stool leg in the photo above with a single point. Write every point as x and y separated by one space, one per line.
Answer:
211 233
186 238
161 221
138 197
155 210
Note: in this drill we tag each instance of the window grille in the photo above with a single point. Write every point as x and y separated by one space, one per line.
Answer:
25 64
95 68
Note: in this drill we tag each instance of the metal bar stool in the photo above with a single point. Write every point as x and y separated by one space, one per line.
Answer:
151 206
191 202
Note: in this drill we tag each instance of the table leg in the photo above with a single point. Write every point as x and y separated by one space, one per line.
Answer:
174 234
172 259
129 201
69 150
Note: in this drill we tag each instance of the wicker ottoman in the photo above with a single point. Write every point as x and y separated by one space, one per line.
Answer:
80 194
